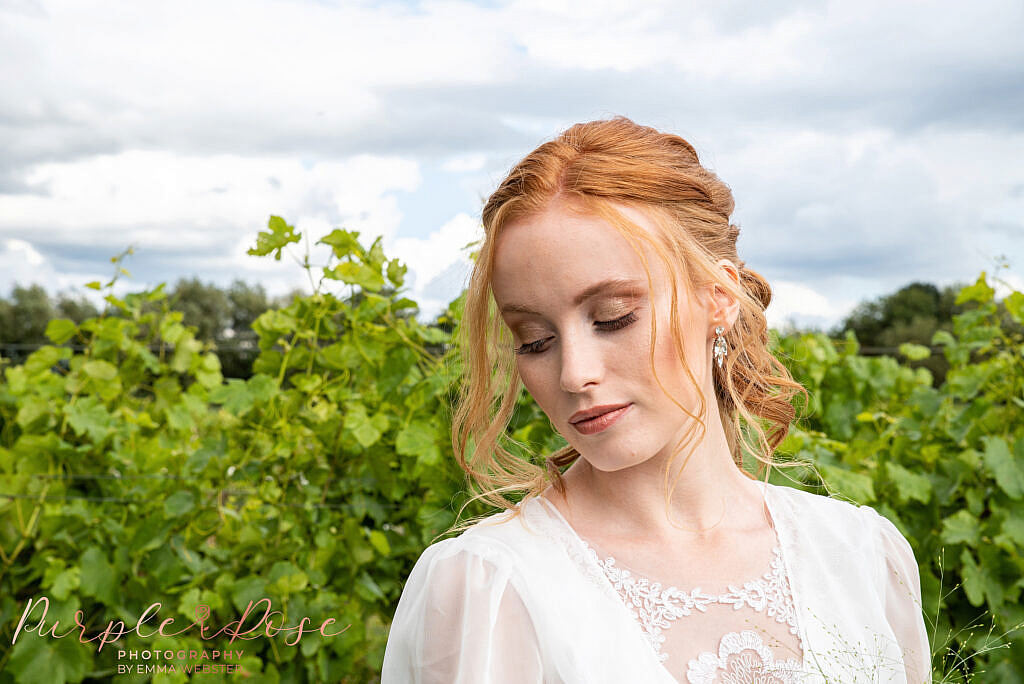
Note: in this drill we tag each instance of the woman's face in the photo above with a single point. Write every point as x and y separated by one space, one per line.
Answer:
575 296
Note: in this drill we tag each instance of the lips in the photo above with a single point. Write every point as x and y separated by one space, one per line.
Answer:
594 412
601 418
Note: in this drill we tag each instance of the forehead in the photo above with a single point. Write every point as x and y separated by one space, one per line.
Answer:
554 255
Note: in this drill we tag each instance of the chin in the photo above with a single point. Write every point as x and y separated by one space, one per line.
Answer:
614 468
614 464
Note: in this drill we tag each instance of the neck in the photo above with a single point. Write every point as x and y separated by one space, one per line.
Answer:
711 496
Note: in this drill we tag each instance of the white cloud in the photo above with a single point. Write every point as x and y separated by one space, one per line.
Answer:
938 206
464 163
163 199
24 252
193 75
1007 283
802 305
736 43
22 264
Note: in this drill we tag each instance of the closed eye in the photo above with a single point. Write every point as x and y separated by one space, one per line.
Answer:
617 324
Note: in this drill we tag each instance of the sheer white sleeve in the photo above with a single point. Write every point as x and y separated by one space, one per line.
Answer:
460 620
903 607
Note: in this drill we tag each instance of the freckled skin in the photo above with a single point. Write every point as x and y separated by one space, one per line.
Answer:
544 261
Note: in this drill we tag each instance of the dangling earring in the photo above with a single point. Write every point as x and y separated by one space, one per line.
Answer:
720 350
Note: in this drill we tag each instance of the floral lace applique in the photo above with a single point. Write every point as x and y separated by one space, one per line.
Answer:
742 657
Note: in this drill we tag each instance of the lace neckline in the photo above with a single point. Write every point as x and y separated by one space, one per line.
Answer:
580 552
622 573
658 607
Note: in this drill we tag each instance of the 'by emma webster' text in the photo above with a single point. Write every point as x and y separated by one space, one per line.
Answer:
205 668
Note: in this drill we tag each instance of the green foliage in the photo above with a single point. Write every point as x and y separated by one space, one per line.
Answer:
132 472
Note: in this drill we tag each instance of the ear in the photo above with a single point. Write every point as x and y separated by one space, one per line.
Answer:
723 306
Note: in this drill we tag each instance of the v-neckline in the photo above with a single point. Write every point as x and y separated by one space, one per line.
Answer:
781 536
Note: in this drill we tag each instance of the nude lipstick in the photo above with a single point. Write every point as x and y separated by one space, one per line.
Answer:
598 418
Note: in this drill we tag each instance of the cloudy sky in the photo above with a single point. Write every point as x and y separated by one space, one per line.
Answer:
868 144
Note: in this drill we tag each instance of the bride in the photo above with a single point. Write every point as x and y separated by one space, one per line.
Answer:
608 283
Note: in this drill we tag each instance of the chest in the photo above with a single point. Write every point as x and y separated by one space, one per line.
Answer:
713 567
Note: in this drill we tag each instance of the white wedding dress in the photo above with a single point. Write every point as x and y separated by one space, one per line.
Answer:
525 599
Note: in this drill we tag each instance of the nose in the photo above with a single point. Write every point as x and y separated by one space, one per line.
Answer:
582 364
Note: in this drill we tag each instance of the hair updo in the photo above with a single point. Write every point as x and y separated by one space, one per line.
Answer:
598 165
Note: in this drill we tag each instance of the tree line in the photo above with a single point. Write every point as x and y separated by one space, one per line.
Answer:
223 317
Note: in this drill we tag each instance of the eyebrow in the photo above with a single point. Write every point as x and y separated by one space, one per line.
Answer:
604 286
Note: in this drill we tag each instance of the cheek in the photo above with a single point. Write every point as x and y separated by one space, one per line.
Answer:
535 380
671 367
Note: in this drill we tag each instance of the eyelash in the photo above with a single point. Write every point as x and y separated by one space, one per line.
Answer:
617 324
